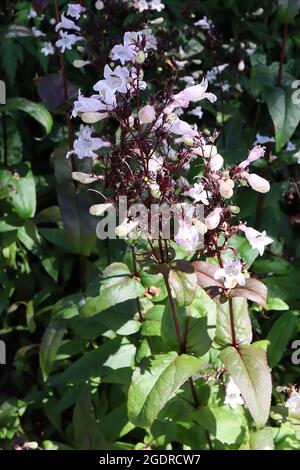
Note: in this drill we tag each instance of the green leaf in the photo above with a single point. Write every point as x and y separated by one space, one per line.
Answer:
198 340
113 355
262 439
152 324
67 307
242 323
183 281
168 330
155 382
274 303
285 114
118 285
50 344
35 110
80 226
23 192
280 335
223 422
288 10
250 372
87 431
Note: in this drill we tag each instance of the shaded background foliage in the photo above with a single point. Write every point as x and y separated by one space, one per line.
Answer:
66 380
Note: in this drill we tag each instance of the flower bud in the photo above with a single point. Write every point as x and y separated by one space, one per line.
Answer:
157 20
234 209
226 188
200 226
140 57
259 184
146 114
213 219
155 190
99 209
99 5
241 66
125 227
206 151
188 140
91 118
216 162
78 64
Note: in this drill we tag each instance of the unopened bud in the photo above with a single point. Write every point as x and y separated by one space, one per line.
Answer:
78 64
147 114
99 5
140 57
234 209
188 140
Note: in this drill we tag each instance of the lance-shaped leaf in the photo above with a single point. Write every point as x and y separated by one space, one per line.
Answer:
285 113
250 372
155 382
80 226
118 285
50 343
253 290
183 281
280 335
242 323
88 434
36 110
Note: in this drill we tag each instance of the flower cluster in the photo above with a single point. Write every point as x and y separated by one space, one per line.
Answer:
68 30
149 162
143 5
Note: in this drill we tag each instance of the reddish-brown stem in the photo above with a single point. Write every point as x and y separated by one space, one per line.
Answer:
4 138
282 53
231 312
65 86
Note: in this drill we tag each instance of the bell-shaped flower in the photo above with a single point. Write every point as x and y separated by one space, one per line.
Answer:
187 235
65 23
116 79
258 240
85 144
191 94
67 41
254 154
198 193
75 10
231 274
87 105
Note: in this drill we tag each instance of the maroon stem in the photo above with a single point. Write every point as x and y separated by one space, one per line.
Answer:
231 312
282 53
4 136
